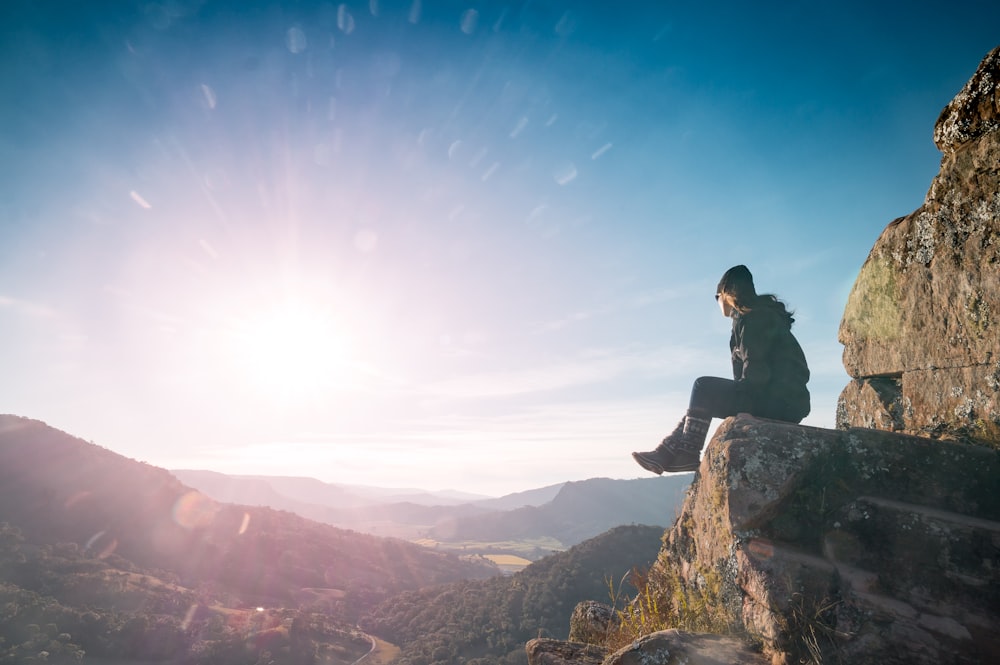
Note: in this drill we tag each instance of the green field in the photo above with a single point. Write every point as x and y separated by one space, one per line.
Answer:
510 555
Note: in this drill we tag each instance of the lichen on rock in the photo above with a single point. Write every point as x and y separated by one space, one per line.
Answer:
816 554
975 110
922 310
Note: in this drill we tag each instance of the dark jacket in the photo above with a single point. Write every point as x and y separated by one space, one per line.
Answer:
769 367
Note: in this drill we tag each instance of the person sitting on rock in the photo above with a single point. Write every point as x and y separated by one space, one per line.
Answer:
769 375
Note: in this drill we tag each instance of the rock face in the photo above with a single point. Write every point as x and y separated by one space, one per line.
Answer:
591 622
543 651
674 647
922 321
854 544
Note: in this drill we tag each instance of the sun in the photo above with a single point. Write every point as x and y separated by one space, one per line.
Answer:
292 352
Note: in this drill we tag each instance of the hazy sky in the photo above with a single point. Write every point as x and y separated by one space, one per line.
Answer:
466 245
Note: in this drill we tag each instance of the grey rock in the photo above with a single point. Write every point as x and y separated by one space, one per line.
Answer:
674 647
590 622
921 324
817 545
867 546
543 651
975 111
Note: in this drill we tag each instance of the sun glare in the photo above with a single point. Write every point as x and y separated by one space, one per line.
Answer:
292 352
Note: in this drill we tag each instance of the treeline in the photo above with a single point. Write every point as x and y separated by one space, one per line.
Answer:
488 622
58 605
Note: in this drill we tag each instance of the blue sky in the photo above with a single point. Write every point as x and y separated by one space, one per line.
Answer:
442 244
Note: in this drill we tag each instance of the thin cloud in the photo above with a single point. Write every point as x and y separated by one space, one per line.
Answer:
539 444
520 432
566 421
592 368
519 382
600 151
139 200
26 307
639 300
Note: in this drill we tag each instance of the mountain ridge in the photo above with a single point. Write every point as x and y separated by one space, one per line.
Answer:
310 490
581 510
568 512
58 488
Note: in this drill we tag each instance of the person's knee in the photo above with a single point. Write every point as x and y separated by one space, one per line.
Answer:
703 382
709 385
714 395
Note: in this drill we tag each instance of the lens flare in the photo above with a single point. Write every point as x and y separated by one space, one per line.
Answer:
194 510
244 524
101 550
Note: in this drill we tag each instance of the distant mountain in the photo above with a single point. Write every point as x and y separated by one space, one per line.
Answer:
535 497
348 508
580 510
58 488
413 495
302 491
263 490
567 512
253 491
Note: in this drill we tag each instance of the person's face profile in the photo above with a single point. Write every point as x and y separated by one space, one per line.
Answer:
725 303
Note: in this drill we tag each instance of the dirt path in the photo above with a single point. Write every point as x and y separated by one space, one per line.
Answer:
381 653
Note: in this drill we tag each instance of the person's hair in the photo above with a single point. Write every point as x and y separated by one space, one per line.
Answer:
745 304
737 283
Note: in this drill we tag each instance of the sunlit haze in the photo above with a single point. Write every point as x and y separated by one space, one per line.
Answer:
469 245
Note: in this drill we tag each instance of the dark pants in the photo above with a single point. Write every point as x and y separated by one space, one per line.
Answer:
715 397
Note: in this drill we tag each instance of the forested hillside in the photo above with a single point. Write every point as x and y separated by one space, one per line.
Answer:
487 622
59 489
59 604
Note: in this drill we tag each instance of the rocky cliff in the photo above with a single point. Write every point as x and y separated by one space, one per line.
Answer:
857 545
852 544
921 324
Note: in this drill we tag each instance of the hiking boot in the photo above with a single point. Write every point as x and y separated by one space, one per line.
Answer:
680 451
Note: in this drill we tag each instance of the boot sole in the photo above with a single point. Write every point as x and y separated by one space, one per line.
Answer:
647 464
682 467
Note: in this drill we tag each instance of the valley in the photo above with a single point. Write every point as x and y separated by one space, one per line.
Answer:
115 561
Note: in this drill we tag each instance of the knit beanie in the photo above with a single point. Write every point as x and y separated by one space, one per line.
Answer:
737 282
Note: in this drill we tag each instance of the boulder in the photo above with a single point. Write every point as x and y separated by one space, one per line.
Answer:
675 647
802 544
857 545
544 651
921 323
590 622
